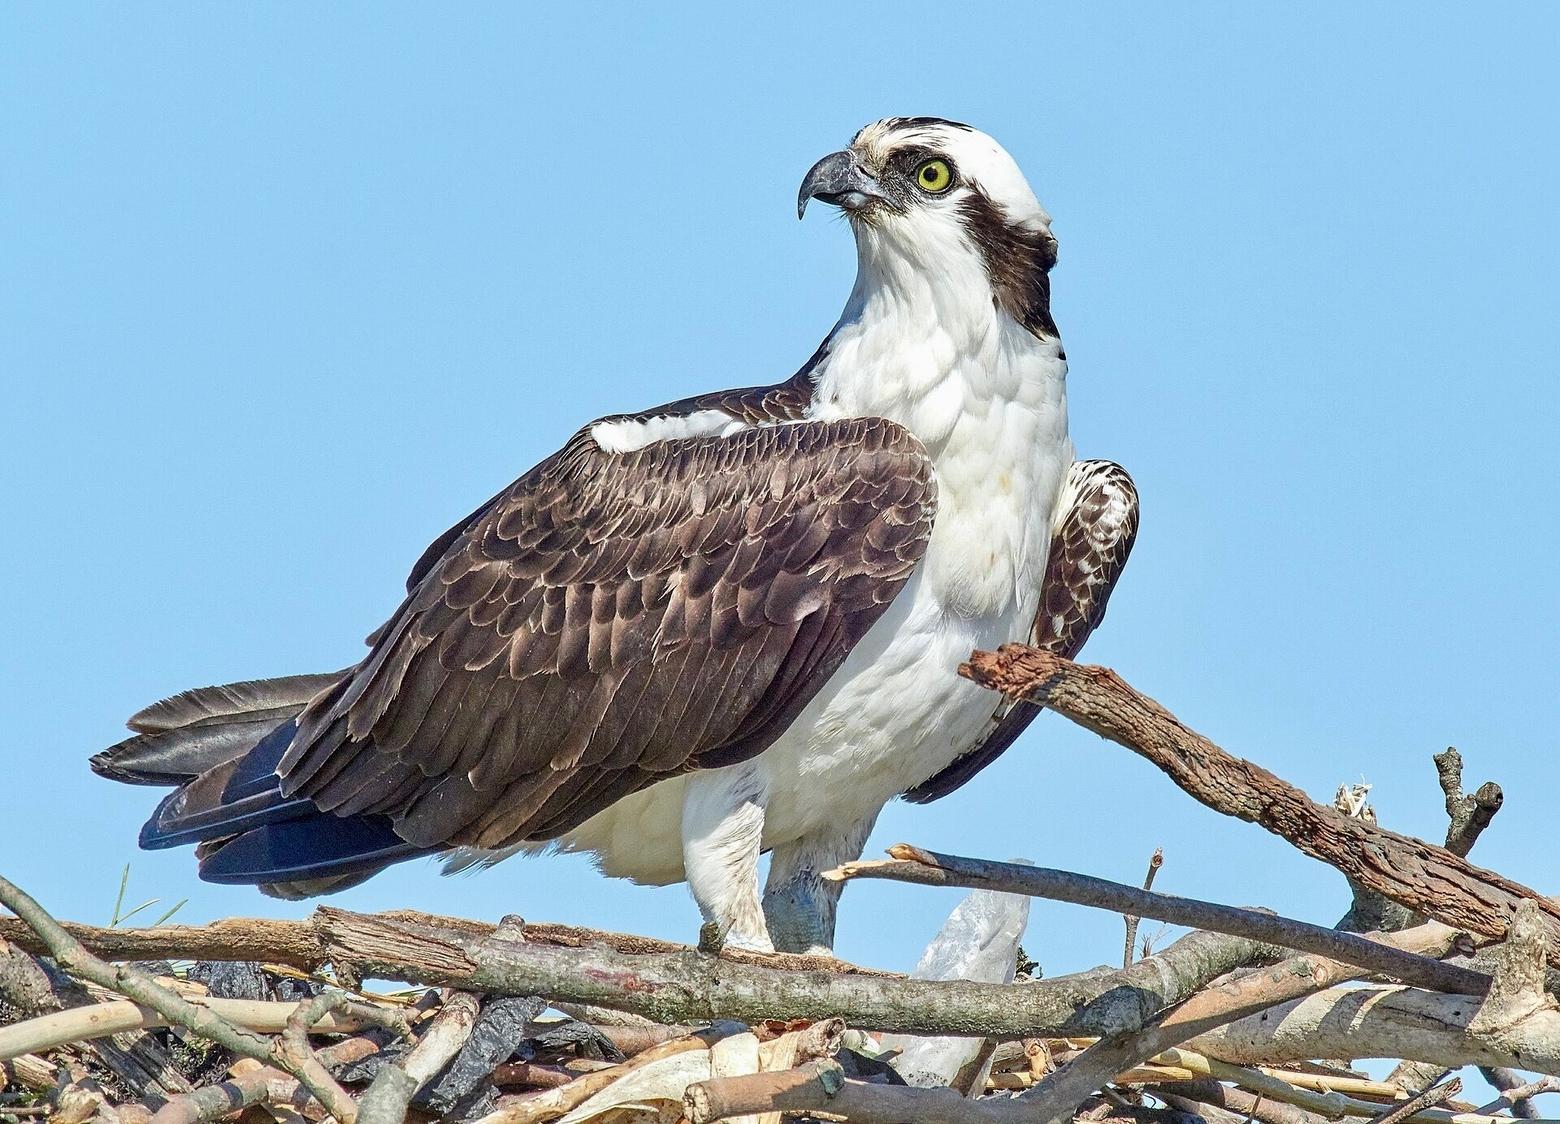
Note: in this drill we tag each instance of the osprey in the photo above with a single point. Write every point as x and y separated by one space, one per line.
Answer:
723 626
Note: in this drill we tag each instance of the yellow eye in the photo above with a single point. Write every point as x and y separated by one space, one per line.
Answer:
934 176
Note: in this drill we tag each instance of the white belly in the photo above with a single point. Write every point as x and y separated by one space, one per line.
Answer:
895 713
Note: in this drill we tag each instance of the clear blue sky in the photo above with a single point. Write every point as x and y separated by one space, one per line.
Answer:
285 290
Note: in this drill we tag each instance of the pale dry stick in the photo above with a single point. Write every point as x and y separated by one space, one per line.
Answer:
1428 879
1516 1024
1432 1097
1361 1087
1516 1092
81 1024
554 1103
928 868
1330 1104
136 1059
1190 1096
1059 1094
822 1086
387 1097
1155 861
137 985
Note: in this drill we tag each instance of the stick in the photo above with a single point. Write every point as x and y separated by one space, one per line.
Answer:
689 986
557 1102
306 945
1469 814
80 1024
1155 861
1432 1097
386 1099
927 868
823 1086
75 959
1427 879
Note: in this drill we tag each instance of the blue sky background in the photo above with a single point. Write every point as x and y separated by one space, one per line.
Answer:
285 290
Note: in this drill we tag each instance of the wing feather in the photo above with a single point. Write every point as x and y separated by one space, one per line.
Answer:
1090 544
611 619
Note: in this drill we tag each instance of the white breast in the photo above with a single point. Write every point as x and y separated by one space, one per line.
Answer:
988 401
897 712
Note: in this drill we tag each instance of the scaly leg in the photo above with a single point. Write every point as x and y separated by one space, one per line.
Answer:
798 904
722 830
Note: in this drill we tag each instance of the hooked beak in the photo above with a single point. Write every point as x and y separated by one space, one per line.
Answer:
838 180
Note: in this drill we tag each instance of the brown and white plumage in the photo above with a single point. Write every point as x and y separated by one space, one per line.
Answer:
718 627
1096 527
615 619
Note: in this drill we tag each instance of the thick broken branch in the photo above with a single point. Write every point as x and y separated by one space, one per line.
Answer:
1428 879
1469 813
690 986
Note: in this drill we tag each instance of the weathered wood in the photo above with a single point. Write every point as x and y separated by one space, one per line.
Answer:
695 986
302 944
929 868
1426 878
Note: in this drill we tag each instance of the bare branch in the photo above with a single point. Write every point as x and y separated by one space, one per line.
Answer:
928 868
822 1086
387 1097
1155 861
137 985
1428 879
1516 1093
1469 814
1432 1097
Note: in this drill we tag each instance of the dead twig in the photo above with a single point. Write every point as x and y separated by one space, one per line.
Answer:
1515 1093
1155 861
137 985
1432 1097
928 868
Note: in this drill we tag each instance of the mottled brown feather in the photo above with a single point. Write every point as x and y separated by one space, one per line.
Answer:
611 619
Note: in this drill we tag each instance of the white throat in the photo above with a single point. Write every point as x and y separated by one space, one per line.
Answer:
923 343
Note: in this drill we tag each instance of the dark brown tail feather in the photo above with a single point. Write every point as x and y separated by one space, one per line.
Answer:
182 737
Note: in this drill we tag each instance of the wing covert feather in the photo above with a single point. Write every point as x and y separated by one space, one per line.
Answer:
611 619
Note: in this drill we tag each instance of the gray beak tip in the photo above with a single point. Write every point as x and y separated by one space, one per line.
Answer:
837 180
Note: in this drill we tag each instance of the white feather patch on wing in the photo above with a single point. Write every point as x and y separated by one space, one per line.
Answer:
624 435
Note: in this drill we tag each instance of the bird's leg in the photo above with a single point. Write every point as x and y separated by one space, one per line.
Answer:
722 831
799 905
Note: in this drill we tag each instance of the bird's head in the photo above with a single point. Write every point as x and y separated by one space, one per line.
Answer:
937 203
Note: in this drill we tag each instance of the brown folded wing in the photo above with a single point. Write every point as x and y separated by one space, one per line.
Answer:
1089 549
613 619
